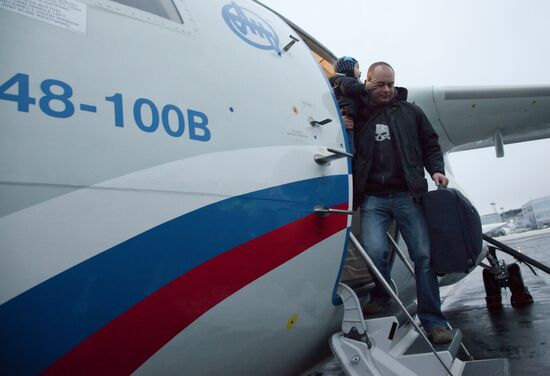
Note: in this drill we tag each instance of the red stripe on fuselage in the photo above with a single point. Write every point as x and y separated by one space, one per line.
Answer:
124 344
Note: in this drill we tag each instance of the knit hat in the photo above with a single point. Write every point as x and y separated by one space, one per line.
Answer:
345 65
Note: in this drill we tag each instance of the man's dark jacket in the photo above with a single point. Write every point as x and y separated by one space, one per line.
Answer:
415 140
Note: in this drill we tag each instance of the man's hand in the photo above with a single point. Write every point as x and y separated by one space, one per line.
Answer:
369 85
440 179
348 122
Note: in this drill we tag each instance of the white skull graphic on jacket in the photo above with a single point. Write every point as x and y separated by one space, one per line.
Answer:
382 132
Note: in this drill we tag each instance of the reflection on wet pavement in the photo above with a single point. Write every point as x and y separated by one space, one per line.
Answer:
520 334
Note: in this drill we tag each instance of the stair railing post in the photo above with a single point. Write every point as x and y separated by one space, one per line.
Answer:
394 296
411 270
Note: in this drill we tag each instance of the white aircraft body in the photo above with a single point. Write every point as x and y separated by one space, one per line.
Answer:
158 186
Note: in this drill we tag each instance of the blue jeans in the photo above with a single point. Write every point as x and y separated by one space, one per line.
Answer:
377 213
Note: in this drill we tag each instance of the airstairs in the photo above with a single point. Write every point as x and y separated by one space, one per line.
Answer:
395 345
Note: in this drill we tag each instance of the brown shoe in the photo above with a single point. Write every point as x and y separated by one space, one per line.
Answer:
373 307
440 336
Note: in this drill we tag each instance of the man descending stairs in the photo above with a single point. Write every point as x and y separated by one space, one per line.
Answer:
391 343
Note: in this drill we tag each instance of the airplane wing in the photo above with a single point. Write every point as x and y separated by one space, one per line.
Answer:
481 116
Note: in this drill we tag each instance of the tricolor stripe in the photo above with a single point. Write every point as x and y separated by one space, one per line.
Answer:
127 342
101 300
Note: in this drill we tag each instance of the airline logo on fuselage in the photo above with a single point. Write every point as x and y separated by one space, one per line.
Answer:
250 27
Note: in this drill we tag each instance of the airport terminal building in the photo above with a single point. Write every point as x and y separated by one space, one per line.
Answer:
536 213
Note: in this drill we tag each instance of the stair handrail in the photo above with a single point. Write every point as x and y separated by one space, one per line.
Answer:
411 270
517 254
390 291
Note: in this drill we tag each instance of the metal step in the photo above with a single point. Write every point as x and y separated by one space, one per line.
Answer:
489 367
394 310
376 345
379 345
420 346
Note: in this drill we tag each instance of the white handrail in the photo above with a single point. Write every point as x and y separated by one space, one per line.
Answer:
388 288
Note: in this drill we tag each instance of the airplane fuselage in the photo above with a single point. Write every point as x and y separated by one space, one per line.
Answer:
158 185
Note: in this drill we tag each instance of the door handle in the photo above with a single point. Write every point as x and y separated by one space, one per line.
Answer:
289 45
315 123
323 211
324 160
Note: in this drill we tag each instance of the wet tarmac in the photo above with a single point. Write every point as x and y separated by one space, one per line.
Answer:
521 335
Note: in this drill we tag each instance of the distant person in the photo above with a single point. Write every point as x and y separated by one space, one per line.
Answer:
348 91
394 143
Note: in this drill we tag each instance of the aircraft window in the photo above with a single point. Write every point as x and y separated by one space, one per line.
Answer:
161 8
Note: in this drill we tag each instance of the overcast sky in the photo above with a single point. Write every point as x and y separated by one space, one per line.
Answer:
444 42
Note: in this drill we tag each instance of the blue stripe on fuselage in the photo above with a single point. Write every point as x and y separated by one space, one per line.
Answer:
43 323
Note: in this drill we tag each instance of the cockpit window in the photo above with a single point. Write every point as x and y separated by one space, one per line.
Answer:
161 8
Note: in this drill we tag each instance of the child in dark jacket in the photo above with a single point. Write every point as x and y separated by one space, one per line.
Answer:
348 90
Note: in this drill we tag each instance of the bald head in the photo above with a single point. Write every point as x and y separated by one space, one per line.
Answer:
379 66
